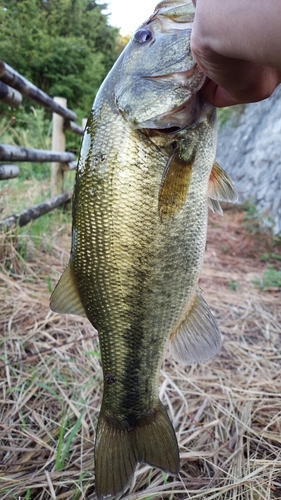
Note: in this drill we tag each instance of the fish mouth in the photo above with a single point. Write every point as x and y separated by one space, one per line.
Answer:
173 120
181 109
192 112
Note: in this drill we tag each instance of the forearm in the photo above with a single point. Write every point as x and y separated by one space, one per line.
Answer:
240 29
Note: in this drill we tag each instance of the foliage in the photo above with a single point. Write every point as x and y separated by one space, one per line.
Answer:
65 47
230 115
271 278
29 130
270 256
224 115
256 223
233 285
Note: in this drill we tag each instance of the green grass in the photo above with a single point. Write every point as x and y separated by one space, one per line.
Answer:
224 114
28 494
233 285
33 186
270 256
230 115
33 129
29 130
271 279
64 448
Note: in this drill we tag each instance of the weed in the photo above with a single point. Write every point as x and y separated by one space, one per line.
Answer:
27 495
81 482
225 248
164 477
23 420
49 284
270 256
33 130
256 222
93 353
62 453
233 285
224 114
48 389
271 278
58 462
230 115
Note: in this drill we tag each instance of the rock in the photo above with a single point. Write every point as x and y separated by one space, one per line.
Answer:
249 150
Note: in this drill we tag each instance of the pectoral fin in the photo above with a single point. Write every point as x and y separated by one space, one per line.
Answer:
221 188
174 187
198 338
65 297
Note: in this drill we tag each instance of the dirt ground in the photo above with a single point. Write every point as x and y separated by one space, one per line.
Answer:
227 412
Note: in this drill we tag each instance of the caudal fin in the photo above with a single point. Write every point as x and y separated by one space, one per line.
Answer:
118 451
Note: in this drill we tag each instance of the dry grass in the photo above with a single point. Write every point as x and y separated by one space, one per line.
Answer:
227 413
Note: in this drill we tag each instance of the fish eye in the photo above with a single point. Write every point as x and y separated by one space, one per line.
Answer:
142 36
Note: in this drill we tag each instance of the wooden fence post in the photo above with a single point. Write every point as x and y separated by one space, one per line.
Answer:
58 145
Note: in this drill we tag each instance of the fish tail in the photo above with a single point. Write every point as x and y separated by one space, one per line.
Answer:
118 451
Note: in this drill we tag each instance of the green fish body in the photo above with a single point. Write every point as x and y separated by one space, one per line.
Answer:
142 190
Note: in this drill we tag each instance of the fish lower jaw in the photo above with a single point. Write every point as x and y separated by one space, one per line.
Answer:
173 120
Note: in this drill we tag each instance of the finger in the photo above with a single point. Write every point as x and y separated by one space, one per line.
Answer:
217 96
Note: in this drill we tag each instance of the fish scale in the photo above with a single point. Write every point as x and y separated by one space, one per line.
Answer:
140 208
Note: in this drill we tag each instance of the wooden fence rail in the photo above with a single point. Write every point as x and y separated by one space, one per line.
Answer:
12 87
34 212
8 172
11 77
9 95
16 153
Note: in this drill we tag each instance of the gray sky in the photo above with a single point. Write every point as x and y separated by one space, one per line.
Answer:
129 14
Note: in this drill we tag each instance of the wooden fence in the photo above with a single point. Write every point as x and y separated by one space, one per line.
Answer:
12 87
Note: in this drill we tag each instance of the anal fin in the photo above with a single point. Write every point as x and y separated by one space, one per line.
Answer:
65 297
198 337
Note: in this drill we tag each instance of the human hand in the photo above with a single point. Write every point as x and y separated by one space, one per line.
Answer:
230 57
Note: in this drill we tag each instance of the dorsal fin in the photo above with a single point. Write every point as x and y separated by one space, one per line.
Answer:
183 13
174 186
65 297
215 206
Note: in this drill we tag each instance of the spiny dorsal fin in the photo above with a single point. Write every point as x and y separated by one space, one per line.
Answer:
174 187
198 338
221 186
178 13
65 298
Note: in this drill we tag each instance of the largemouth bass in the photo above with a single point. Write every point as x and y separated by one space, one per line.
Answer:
145 177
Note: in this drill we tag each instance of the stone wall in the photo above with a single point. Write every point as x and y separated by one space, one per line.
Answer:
249 149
